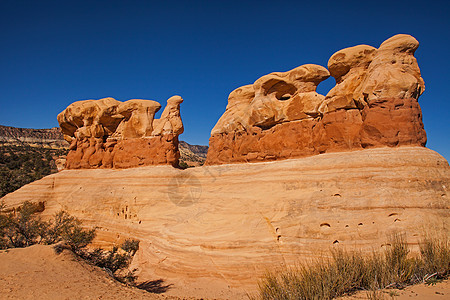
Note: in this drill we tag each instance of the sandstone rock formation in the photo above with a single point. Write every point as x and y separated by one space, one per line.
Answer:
107 133
212 230
280 116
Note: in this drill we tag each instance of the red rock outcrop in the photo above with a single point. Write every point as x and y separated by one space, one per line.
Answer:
280 116
107 133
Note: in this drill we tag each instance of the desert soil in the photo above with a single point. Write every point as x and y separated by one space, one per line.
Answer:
37 272
439 291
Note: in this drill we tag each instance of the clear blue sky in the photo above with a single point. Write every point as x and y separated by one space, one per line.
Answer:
56 52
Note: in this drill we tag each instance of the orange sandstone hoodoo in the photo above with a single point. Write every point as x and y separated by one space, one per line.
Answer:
280 116
107 133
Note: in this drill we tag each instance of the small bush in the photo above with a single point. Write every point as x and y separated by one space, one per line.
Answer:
130 246
56 230
23 228
77 238
347 272
115 261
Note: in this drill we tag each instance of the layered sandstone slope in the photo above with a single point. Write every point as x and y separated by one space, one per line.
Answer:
212 230
280 116
107 133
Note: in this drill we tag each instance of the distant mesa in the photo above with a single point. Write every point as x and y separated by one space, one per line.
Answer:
280 116
107 133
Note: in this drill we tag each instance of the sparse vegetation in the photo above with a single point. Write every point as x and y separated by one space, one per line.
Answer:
20 165
115 261
346 272
23 227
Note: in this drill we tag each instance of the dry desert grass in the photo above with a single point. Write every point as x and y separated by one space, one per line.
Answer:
347 272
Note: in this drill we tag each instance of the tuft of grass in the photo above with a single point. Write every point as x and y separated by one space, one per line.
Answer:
346 272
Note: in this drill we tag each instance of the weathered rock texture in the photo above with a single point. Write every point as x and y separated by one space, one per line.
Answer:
212 230
107 133
280 116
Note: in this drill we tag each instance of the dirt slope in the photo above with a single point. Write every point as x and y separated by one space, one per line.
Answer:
37 272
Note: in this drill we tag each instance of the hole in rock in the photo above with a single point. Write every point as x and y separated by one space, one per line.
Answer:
285 97
266 126
336 242
360 224
337 195
325 224
346 225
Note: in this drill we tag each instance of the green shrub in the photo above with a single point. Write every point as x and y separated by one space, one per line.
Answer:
23 228
130 246
62 223
77 238
114 261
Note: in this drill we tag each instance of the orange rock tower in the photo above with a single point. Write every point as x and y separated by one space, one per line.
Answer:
280 116
107 133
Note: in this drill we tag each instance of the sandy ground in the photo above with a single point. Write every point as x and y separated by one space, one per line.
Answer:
37 272
439 291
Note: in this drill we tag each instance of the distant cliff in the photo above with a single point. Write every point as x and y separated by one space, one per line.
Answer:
51 138
192 155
